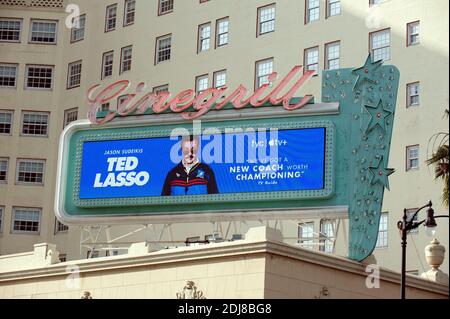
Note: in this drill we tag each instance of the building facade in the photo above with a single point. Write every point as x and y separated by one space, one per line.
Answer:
48 60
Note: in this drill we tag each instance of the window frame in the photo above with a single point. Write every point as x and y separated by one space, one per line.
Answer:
328 9
384 231
215 78
11 124
160 13
256 83
33 160
27 67
155 88
23 232
157 41
310 242
370 43
307 13
72 31
408 159
103 76
125 12
16 65
326 59
324 237
121 71
217 34
197 78
408 34
7 170
56 229
24 112
258 19
20 20
66 112
305 59
30 36
409 214
108 7
2 218
200 39
409 95
69 75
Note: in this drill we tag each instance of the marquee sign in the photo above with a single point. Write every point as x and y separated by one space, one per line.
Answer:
245 155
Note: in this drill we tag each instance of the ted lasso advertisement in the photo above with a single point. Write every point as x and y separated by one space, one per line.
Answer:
281 160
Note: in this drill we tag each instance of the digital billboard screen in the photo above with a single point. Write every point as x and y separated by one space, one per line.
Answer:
236 162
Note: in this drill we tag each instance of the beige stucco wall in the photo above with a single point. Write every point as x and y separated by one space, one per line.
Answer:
258 267
427 63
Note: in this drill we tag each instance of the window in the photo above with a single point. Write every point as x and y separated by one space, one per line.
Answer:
306 234
30 171
60 227
121 99
333 8
412 92
70 116
372 2
327 232
26 220
312 10
107 64
111 17
163 48
332 55
105 107
35 123
409 215
43 31
263 68
165 6
266 19
220 78
2 209
77 33
380 42
204 37
312 59
5 122
8 75
412 157
92 254
222 29
201 83
39 77
74 75
126 55
62 258
130 9
382 240
10 30
3 170
161 88
413 30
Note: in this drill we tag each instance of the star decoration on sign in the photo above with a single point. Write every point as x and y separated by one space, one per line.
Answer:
378 115
366 72
380 173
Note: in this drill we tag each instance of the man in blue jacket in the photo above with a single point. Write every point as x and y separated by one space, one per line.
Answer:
190 177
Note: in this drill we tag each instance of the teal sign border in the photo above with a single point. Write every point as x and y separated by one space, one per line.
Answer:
152 131
358 172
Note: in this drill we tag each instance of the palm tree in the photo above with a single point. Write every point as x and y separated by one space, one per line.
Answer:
440 159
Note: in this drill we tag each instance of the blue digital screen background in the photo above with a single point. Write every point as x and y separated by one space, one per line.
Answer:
298 165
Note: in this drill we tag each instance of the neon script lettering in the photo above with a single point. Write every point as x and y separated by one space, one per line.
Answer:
190 106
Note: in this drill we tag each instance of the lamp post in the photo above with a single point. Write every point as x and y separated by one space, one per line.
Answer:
406 225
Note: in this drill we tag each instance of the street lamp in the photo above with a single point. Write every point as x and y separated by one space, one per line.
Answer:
406 225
